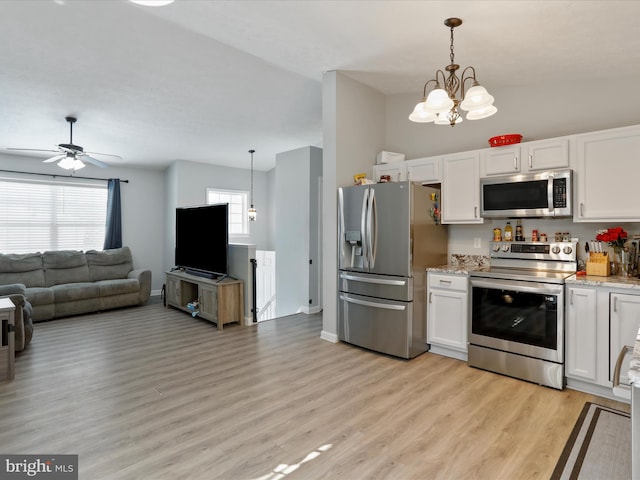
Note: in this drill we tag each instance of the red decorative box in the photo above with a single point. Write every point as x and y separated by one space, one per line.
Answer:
501 140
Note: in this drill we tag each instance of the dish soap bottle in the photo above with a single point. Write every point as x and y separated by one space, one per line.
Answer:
508 232
519 236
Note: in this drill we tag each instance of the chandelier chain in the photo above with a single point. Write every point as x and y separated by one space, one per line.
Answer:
451 55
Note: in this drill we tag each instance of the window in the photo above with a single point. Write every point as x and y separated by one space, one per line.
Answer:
237 200
36 216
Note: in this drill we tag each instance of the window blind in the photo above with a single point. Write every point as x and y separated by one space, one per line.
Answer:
36 216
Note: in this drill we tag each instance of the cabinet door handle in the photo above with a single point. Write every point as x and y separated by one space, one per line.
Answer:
448 282
475 212
615 303
515 162
581 209
530 161
571 298
430 297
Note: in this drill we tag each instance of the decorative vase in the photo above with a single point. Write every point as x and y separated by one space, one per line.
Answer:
623 262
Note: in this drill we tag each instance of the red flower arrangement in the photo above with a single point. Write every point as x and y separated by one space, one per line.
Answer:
616 237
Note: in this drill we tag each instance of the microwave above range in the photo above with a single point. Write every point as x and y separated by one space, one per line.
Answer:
542 194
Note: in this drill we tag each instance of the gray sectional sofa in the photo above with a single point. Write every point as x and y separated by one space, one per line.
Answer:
69 282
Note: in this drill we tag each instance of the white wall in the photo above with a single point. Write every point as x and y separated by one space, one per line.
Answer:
353 134
142 207
296 213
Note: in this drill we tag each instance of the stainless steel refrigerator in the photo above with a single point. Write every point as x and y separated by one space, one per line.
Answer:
386 240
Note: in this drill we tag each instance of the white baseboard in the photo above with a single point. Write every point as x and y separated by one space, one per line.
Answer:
309 310
329 337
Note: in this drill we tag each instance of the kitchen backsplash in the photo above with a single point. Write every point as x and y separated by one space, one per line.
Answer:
463 238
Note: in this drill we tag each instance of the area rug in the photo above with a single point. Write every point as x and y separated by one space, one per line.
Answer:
599 446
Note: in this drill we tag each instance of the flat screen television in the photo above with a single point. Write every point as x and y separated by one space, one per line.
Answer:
202 240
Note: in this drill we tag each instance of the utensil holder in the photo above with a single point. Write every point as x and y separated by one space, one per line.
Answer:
598 264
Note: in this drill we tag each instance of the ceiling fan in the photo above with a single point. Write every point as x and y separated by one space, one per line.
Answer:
70 156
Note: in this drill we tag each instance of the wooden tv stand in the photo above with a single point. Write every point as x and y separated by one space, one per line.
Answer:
220 302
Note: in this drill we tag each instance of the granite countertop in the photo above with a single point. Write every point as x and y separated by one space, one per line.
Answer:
634 365
460 264
611 281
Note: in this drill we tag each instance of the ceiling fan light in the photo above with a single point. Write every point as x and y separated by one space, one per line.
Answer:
481 113
438 101
476 98
70 163
420 115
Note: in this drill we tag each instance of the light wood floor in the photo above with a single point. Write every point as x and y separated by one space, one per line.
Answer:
152 393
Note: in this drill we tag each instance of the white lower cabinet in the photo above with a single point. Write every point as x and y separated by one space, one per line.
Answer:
599 321
581 334
624 324
447 314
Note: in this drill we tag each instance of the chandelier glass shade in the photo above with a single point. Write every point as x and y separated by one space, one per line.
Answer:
442 105
252 211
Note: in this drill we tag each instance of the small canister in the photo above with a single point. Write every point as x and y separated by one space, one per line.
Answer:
543 237
534 235
497 235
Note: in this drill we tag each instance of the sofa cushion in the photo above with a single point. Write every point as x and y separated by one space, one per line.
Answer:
109 264
65 266
118 287
39 295
72 292
22 268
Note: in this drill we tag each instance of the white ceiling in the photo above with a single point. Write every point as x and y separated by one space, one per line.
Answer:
206 81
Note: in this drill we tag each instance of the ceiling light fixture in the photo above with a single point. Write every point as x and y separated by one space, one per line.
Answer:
152 3
70 162
442 106
252 210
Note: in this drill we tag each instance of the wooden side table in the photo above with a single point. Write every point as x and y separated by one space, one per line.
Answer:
7 346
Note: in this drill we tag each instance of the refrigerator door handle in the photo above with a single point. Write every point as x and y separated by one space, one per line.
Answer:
379 281
372 304
363 227
372 229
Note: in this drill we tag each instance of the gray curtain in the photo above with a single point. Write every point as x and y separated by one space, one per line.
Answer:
113 234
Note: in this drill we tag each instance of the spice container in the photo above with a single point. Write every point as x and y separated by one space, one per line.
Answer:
534 235
543 237
519 234
508 232
497 235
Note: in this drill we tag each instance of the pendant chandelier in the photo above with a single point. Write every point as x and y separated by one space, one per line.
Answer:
252 210
442 106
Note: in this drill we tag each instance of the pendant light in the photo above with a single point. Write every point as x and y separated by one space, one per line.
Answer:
442 106
252 210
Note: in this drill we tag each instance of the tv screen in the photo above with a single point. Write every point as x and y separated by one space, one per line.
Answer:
202 239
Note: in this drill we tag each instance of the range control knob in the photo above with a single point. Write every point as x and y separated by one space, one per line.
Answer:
496 248
556 249
505 248
567 250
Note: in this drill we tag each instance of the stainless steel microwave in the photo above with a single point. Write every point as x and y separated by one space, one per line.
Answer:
542 194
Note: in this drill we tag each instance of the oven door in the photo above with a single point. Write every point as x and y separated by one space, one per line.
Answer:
525 318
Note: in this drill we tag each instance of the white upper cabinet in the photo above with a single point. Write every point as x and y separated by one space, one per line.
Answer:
546 154
501 161
606 167
526 157
396 170
461 188
424 170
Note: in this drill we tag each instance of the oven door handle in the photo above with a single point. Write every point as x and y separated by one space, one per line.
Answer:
517 286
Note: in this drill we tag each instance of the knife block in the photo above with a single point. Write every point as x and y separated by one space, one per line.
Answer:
598 264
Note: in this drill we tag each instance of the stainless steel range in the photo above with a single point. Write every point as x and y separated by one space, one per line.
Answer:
517 311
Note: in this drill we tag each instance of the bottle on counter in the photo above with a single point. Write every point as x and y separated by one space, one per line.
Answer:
519 234
508 232
497 235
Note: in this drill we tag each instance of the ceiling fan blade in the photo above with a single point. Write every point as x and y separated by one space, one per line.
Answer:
55 158
30 150
114 157
97 163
